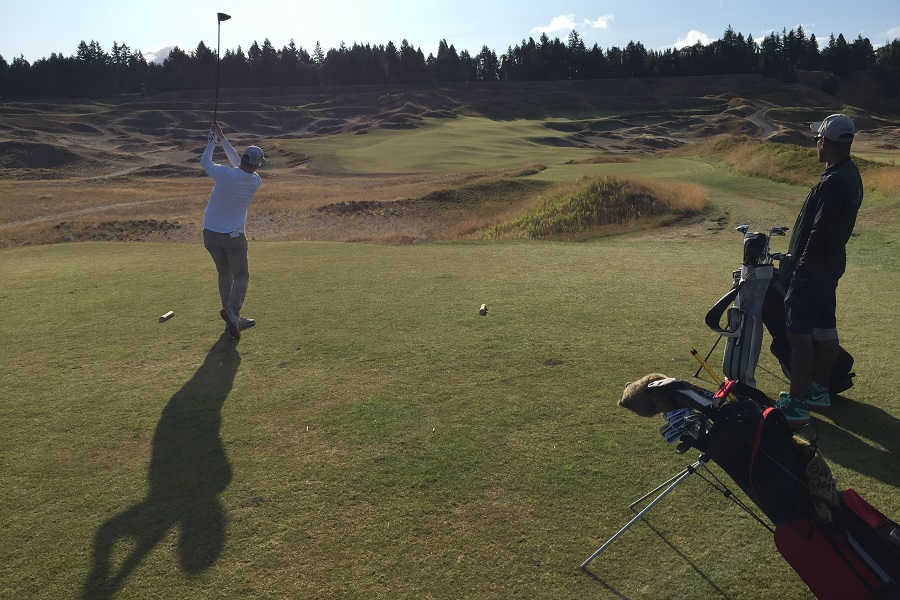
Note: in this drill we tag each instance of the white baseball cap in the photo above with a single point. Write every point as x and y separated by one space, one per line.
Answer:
254 155
837 128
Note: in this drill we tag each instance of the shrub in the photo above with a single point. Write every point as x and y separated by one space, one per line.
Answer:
593 203
831 85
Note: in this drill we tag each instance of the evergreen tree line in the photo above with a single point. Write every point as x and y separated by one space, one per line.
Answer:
94 73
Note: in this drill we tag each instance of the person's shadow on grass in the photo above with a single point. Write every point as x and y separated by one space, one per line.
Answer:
864 438
188 471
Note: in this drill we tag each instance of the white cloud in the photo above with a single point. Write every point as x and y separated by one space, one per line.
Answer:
893 33
692 38
560 23
601 23
158 54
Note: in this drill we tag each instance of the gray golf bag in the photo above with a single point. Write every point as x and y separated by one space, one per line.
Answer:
744 326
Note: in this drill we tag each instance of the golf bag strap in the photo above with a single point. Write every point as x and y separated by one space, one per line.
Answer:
757 441
714 316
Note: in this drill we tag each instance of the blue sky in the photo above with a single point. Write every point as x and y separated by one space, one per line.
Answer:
35 30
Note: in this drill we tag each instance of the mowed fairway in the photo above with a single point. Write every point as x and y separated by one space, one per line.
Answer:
448 145
374 436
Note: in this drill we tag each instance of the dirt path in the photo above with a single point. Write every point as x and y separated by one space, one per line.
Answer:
86 211
758 119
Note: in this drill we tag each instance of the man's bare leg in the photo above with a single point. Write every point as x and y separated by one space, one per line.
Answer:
803 364
826 356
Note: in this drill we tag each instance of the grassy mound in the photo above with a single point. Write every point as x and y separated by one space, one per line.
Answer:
35 155
594 203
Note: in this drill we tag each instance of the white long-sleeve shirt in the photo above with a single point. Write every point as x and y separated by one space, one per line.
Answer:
232 194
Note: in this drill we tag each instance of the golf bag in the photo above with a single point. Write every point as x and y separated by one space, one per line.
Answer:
744 328
855 556
756 299
752 442
746 437
838 544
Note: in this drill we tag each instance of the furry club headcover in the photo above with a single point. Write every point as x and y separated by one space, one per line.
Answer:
649 401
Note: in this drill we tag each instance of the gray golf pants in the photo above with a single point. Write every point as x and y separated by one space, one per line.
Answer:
230 255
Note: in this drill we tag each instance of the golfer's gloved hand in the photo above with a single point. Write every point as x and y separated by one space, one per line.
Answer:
211 137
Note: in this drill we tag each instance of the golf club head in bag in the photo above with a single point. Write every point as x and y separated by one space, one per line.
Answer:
656 394
756 249
684 425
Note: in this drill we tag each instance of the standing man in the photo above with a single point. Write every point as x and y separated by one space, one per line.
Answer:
818 259
224 220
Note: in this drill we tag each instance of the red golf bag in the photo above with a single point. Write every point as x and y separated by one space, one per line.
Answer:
854 557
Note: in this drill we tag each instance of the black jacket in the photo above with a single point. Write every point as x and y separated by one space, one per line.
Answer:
818 242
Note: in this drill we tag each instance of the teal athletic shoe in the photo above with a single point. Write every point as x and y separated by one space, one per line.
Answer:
818 397
794 411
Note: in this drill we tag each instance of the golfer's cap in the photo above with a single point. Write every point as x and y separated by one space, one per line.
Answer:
837 128
254 155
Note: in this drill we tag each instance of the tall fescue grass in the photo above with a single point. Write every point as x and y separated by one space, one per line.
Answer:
787 163
884 178
784 163
595 203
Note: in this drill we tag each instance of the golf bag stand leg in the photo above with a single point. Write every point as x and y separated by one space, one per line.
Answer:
705 361
669 485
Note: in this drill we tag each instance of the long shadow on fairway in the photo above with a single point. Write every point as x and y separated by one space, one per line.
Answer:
715 590
188 471
864 438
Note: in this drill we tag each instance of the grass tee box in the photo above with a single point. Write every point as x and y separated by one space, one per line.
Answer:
374 436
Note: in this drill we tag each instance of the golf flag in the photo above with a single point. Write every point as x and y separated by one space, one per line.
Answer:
223 17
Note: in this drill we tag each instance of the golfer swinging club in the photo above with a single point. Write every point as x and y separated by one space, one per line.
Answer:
224 220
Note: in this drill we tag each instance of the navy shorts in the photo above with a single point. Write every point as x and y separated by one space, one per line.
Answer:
810 304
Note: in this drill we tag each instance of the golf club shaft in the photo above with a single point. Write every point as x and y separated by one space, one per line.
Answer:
218 46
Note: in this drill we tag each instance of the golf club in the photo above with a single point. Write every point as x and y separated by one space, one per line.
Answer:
222 17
